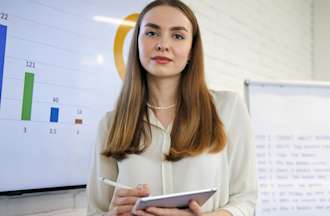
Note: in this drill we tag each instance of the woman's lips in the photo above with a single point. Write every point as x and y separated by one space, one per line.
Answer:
161 59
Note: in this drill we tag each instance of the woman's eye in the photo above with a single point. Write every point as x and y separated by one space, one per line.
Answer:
178 36
151 33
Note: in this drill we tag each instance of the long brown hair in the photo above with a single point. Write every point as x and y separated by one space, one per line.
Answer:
196 128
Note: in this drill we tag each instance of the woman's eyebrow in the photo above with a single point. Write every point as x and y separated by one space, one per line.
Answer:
152 25
174 28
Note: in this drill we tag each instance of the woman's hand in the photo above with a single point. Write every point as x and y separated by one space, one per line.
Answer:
124 200
194 210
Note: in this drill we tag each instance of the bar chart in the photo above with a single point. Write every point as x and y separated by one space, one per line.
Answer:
54 111
27 96
57 81
3 36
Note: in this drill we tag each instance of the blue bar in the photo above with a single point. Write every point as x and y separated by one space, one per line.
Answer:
54 114
3 37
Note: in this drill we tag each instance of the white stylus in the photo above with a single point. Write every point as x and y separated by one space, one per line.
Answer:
112 183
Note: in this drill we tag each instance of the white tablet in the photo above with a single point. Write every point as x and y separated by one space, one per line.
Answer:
175 200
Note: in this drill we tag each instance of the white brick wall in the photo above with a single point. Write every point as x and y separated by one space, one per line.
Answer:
255 39
243 39
321 33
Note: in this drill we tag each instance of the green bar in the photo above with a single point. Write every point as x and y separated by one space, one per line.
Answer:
27 96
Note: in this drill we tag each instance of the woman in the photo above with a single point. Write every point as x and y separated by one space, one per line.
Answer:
168 132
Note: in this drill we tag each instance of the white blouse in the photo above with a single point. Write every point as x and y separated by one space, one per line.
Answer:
232 171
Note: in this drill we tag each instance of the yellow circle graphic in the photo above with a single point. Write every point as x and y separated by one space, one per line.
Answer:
125 26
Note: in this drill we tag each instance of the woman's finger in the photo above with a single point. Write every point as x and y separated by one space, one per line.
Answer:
125 214
113 213
158 211
132 192
143 213
167 211
117 210
124 200
195 208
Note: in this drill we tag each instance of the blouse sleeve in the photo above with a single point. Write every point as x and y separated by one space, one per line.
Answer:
242 165
99 195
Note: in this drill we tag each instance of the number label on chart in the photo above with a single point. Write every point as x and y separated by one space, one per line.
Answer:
79 111
3 16
30 64
52 131
56 99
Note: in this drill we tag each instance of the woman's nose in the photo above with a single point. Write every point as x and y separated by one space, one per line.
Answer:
162 45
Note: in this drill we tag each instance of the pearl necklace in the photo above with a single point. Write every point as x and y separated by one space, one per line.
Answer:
160 107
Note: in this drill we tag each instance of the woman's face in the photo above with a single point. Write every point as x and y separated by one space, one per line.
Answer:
165 41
